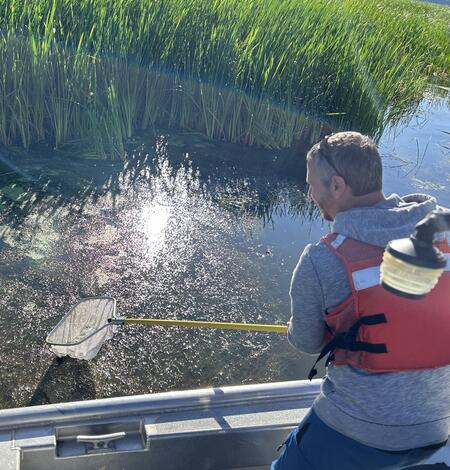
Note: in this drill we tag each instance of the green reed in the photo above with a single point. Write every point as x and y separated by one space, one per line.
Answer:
91 72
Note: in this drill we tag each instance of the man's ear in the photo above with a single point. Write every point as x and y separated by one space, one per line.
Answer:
338 186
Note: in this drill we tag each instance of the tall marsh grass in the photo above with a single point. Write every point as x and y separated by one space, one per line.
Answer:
258 72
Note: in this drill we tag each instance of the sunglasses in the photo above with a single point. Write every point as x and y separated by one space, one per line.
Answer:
323 149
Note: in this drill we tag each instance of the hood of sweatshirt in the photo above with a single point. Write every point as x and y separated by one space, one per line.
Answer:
395 217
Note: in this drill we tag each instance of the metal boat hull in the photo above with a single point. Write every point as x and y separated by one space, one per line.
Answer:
227 428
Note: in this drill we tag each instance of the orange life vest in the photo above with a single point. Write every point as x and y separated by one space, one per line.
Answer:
376 330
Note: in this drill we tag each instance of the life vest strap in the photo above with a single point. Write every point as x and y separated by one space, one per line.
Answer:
347 340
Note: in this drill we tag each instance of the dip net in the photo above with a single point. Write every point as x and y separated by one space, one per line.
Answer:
84 328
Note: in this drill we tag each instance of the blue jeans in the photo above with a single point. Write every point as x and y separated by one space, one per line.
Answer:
315 446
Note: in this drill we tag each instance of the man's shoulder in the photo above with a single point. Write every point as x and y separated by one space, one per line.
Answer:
319 266
318 253
317 247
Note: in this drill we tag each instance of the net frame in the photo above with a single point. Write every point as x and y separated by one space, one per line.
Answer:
103 317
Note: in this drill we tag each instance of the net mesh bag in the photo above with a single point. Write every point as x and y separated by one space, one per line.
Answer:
84 328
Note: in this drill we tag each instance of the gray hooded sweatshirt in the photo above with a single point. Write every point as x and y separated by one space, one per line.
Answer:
394 410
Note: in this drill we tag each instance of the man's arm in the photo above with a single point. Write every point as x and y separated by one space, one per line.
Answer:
307 327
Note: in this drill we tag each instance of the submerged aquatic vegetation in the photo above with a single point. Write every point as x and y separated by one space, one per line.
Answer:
255 72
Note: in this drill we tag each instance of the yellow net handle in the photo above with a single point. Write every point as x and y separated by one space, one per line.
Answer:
208 324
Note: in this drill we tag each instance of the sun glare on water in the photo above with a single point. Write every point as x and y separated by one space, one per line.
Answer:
154 221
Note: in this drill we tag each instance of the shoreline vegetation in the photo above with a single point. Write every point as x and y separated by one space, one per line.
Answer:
88 74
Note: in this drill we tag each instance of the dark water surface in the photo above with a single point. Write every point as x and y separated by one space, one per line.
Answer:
187 229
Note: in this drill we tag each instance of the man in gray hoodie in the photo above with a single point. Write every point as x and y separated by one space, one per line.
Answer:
361 419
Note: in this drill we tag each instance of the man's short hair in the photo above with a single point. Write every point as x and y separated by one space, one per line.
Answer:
352 156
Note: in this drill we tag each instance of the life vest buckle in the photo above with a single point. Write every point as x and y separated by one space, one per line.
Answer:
348 340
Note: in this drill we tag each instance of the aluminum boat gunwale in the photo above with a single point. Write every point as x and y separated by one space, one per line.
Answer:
223 428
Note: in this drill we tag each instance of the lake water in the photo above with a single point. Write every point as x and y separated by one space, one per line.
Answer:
187 229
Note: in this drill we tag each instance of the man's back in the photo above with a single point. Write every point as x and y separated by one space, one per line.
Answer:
392 411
